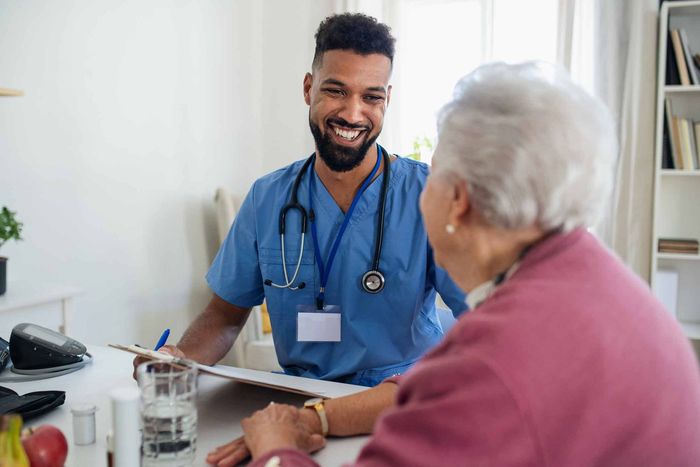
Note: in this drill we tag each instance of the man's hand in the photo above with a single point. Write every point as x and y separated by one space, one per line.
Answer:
166 349
279 426
236 451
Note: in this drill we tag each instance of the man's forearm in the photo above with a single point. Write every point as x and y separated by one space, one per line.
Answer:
211 335
354 414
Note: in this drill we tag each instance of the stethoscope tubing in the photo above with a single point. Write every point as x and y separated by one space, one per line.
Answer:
289 283
294 204
382 208
325 267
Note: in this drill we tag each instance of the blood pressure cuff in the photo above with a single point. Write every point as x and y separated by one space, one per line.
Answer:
29 405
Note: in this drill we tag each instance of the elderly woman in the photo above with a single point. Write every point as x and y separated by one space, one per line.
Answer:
566 358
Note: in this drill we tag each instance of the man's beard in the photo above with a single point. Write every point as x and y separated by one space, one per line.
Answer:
339 158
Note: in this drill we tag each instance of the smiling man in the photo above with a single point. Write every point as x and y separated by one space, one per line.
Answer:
334 242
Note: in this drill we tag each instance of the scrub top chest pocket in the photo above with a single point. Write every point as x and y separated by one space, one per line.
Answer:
271 268
312 325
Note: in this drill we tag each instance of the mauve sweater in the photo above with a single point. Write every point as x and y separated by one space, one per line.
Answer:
570 362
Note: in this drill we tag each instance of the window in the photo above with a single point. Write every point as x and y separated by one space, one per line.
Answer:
439 41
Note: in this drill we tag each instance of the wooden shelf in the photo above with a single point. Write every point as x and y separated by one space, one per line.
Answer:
5 92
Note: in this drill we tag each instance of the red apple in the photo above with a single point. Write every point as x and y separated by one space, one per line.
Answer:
45 446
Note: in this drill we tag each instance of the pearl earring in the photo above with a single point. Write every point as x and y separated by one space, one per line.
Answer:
450 229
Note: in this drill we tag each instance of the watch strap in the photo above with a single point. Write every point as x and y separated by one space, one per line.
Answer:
319 406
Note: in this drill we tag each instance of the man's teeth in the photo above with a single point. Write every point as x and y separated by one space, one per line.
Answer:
347 134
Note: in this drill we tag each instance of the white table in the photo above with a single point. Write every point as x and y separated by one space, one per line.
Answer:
23 295
221 405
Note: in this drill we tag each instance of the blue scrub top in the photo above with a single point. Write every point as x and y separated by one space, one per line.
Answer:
381 334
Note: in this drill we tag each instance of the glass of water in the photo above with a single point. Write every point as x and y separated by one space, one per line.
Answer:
168 412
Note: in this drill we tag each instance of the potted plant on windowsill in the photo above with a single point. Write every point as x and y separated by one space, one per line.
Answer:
10 229
422 149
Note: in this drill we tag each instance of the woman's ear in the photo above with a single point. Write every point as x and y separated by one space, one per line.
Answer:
460 205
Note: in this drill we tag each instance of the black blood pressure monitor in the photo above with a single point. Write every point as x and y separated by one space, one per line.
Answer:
34 347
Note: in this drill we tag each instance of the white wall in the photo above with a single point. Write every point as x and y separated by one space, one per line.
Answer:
288 45
134 112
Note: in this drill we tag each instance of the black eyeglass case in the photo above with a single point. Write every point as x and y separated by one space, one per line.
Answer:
30 405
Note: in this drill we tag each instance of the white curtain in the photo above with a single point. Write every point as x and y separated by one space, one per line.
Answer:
565 33
624 38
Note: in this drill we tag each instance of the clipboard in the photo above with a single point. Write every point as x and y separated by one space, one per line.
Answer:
281 382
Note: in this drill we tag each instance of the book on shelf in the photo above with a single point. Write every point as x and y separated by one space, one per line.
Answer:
686 146
696 128
680 57
676 136
689 58
672 134
678 245
694 150
672 76
679 241
696 59
667 150
684 141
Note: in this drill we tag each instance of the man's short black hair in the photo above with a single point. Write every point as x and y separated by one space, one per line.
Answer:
357 32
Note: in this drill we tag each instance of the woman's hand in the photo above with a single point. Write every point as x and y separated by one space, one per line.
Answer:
236 451
229 454
279 426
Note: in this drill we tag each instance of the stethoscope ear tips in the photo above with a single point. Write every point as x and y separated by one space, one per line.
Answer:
302 285
268 282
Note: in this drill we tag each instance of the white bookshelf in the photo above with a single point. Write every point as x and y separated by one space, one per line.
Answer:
677 192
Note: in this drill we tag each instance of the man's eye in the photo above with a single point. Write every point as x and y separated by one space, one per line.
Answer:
373 98
335 92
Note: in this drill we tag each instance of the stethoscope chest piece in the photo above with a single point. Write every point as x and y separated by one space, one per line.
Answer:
373 282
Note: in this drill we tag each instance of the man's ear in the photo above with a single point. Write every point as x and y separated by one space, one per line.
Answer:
308 82
388 95
460 206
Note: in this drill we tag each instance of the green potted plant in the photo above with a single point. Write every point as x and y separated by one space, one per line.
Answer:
10 229
422 148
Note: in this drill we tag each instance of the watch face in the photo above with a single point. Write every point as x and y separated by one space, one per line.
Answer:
312 402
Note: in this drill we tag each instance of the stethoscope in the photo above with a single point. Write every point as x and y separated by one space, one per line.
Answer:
373 280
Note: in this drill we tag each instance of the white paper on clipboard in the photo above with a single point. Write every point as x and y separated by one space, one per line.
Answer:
295 384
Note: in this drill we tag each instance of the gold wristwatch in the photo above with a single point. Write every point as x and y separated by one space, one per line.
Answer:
317 404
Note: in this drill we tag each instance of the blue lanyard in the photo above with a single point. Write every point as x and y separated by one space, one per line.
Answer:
324 271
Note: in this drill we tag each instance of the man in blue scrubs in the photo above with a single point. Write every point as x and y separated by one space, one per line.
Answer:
326 325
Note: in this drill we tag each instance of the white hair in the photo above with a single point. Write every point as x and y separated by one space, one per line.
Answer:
533 147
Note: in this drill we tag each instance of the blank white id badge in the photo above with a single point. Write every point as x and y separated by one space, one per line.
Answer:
318 326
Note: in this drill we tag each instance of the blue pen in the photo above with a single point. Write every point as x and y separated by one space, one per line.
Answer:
163 339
